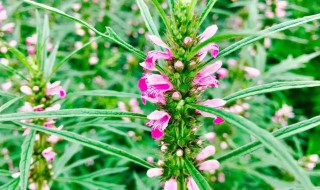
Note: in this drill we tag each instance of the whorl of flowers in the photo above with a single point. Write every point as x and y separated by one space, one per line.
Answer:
171 80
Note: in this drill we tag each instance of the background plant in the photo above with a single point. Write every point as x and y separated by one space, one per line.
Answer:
114 68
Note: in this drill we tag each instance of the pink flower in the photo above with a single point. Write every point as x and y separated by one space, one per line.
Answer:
55 88
159 122
206 152
49 154
32 40
205 77
251 72
214 103
154 172
154 56
3 14
192 184
212 48
153 86
9 27
223 73
210 165
26 90
171 185
31 50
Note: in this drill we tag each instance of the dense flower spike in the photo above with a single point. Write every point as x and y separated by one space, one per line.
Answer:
159 122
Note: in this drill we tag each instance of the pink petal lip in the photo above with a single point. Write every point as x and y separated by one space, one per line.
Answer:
156 133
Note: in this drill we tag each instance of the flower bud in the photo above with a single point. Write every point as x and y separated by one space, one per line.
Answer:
164 148
210 165
179 152
160 162
187 40
26 90
176 96
154 172
178 66
314 158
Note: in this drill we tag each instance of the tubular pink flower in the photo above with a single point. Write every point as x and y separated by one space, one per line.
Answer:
153 86
223 73
214 103
212 48
159 122
154 172
26 90
171 185
206 152
192 184
48 154
210 165
9 27
208 33
205 77
154 56
55 88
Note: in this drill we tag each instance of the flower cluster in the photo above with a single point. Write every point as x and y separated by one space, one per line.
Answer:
282 115
8 27
276 8
40 98
171 80
31 43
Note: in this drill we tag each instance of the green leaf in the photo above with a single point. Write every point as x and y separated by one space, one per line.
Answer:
94 144
3 93
105 93
50 62
266 138
264 33
271 87
206 11
9 103
81 112
13 71
162 14
147 17
42 41
196 175
65 59
139 183
5 172
105 171
11 185
280 134
78 163
94 185
26 155
85 24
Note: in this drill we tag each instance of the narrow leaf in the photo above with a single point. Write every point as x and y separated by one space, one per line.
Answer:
105 93
82 112
280 134
265 33
13 71
85 24
196 175
5 172
11 185
162 14
3 93
50 61
271 87
94 144
105 171
206 11
9 103
147 17
26 154
266 138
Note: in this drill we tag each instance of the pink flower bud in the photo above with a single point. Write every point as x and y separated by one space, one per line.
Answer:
206 152
210 165
210 136
314 158
178 66
48 154
154 172
26 90
187 40
176 95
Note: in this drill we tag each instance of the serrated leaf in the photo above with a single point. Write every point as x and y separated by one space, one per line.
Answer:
266 138
94 144
81 112
196 175
25 158
280 134
271 87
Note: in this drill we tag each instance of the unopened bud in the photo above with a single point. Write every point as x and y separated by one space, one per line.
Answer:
35 88
164 148
176 96
192 65
187 40
178 66
199 142
179 152
160 163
